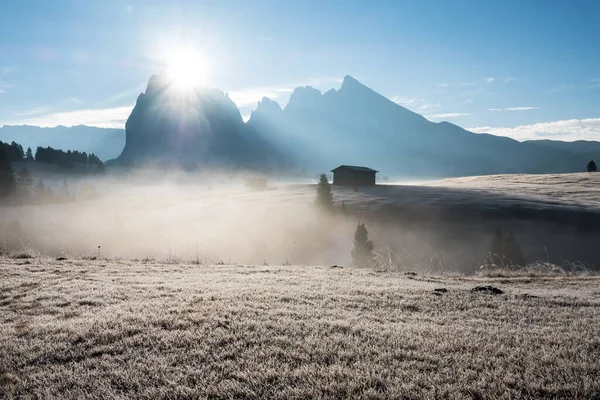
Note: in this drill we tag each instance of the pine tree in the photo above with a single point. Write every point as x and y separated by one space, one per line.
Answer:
362 254
18 150
496 252
591 167
29 154
324 198
25 182
513 251
8 184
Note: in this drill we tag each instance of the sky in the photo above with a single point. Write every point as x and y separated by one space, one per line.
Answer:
525 69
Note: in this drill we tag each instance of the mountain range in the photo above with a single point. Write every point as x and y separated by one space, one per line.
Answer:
315 131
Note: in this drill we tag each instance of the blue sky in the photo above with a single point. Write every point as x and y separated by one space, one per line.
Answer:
526 69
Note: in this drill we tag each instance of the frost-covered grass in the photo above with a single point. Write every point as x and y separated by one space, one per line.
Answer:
124 329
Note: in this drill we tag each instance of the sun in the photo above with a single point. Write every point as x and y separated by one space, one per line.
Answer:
187 69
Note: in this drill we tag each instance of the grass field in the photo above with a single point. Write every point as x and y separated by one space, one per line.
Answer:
130 329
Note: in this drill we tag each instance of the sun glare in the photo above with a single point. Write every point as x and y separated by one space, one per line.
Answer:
187 69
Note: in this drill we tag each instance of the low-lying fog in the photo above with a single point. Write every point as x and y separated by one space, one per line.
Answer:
221 221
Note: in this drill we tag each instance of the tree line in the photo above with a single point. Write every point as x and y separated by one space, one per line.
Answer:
15 152
21 189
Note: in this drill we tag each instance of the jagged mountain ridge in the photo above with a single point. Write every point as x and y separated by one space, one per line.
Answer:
201 126
356 125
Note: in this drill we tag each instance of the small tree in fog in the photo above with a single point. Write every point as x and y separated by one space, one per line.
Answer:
362 253
591 167
29 154
324 198
513 251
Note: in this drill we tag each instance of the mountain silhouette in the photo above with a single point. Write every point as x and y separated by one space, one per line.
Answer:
317 131
201 126
356 125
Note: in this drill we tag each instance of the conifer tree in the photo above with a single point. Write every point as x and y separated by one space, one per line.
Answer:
362 253
324 198
8 184
29 154
591 167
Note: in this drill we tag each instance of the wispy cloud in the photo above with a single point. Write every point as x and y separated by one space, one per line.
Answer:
123 96
567 130
416 104
33 111
447 84
521 108
509 79
514 109
104 118
266 39
447 115
490 79
129 9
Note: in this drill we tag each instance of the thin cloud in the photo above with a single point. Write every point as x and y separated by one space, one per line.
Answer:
509 79
125 94
521 108
33 111
416 104
443 84
490 79
103 118
448 115
129 9
514 109
566 130
266 39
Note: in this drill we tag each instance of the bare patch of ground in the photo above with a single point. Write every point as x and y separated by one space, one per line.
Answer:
122 329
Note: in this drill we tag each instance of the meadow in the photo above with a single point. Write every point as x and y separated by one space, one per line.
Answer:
109 328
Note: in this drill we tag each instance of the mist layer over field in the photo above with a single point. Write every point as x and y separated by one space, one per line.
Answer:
444 226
